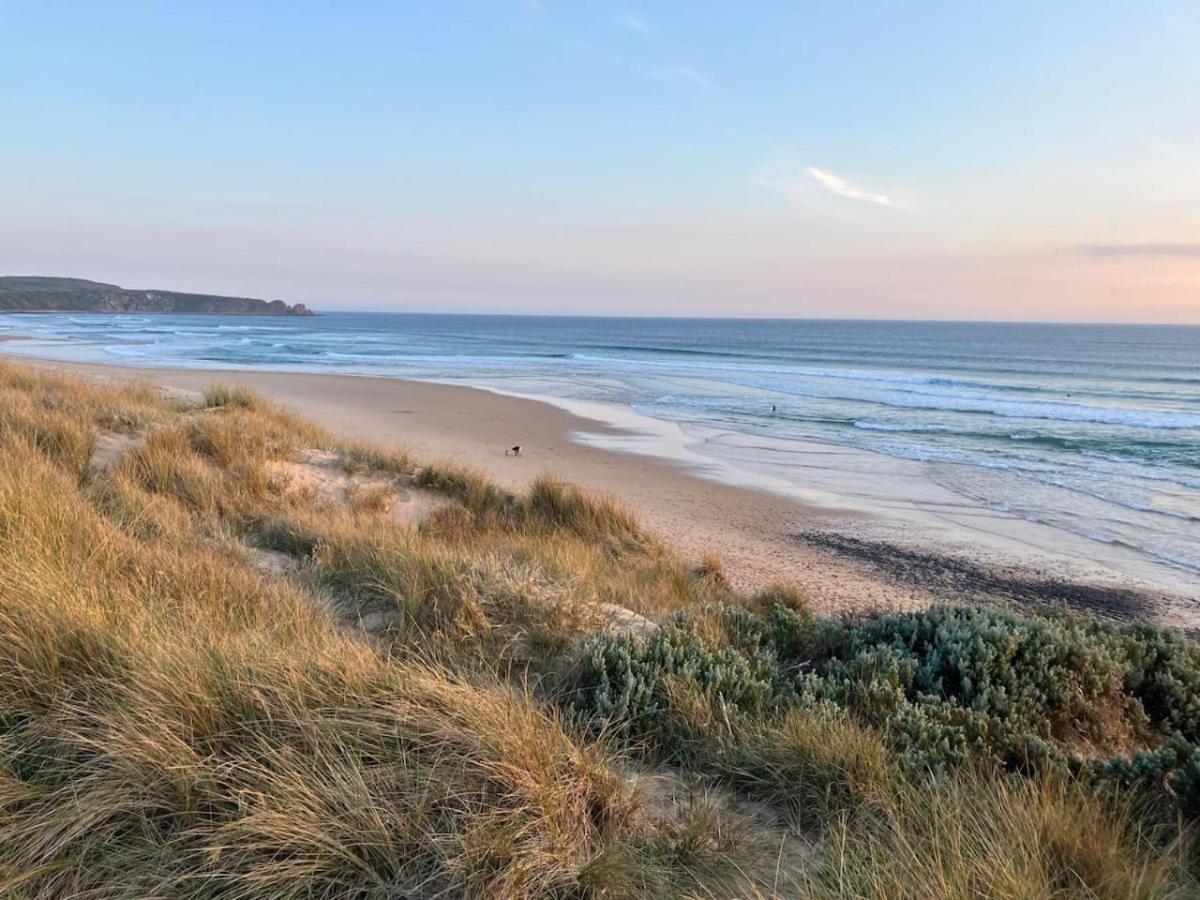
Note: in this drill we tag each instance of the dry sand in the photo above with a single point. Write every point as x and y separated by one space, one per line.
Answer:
758 535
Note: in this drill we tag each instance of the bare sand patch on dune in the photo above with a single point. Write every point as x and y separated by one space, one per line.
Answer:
326 476
110 446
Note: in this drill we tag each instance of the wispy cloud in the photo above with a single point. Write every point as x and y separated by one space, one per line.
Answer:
683 73
642 59
837 185
1188 250
632 21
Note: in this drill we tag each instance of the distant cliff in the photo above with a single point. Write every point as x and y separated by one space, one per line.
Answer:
38 294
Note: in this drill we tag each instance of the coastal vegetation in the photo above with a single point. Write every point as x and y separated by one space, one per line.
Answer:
241 657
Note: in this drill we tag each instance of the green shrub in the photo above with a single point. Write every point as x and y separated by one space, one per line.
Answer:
1162 670
942 686
626 681
1174 766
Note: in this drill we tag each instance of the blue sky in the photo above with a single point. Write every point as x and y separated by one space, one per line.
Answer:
947 160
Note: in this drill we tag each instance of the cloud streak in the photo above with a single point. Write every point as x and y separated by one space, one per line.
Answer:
835 184
1185 250
683 73
631 21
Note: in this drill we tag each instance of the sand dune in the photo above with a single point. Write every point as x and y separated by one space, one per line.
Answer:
760 536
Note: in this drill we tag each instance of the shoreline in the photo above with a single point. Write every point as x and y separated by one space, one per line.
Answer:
931 502
903 497
760 535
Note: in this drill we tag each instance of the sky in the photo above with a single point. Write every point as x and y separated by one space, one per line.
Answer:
946 160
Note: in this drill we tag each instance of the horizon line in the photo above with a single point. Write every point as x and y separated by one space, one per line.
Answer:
881 319
314 307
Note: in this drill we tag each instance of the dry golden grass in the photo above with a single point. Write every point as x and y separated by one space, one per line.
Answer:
382 721
812 767
172 723
1005 837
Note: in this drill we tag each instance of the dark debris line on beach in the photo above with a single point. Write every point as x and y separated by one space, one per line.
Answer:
955 578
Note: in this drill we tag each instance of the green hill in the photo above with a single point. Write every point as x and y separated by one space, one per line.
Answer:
42 294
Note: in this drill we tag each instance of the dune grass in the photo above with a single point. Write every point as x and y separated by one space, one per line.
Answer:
173 723
439 709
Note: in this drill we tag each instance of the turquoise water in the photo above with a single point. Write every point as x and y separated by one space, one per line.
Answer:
1092 429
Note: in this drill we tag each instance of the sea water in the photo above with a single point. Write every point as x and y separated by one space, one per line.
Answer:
1090 429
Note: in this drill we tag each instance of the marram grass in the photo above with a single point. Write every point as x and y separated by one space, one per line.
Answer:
401 711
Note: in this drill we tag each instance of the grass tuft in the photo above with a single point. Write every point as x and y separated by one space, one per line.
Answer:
228 395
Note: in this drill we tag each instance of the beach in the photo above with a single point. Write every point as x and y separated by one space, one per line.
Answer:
542 450
846 558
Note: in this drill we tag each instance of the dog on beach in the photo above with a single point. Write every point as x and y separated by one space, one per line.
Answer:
515 451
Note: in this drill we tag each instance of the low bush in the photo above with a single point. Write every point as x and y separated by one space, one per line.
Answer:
942 686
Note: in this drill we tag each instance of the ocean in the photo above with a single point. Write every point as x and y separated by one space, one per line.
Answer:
1090 429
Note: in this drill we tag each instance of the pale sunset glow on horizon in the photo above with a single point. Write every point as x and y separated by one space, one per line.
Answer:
1017 161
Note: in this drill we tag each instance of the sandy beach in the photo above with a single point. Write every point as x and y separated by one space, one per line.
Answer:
846 559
